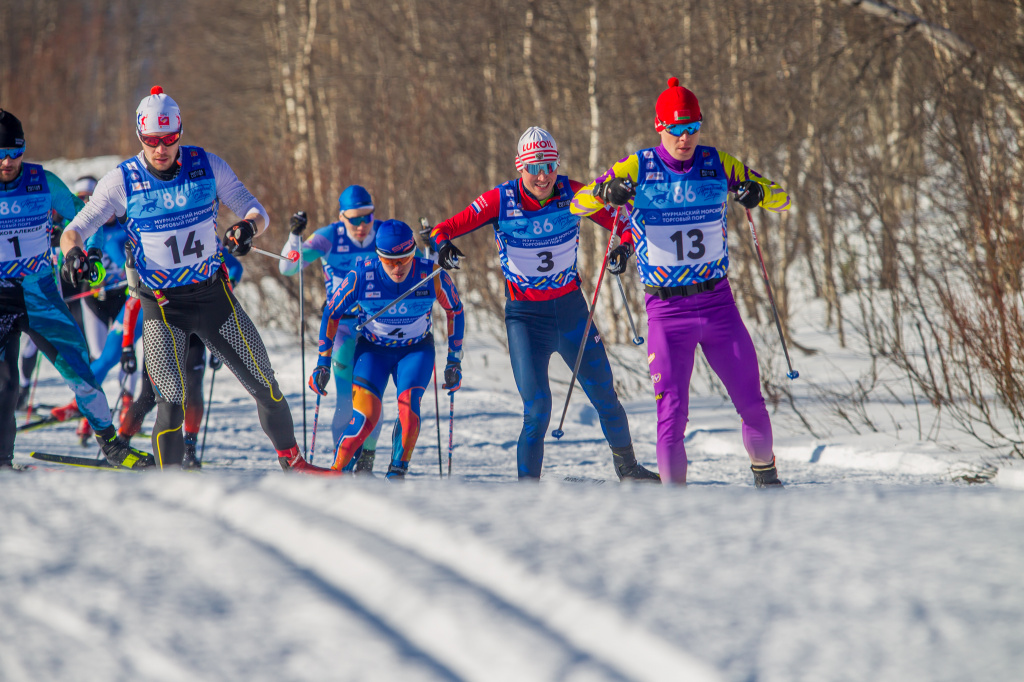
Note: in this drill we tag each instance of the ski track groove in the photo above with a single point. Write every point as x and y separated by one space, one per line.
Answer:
547 632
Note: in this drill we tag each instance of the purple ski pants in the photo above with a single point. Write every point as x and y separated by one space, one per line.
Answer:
675 327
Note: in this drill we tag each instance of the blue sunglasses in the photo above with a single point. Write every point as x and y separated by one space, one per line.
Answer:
359 220
11 152
538 168
680 128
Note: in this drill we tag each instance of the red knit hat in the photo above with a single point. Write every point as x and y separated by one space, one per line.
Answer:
676 105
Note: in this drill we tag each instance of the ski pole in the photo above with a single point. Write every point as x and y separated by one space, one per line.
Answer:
435 273
558 433
209 407
302 351
32 393
792 374
272 255
637 339
95 292
437 420
451 429
316 418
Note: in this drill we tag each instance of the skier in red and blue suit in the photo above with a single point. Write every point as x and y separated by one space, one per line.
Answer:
398 344
545 312
678 194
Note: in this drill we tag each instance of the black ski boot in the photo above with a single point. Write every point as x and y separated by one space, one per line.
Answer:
120 453
766 475
364 465
396 472
626 466
188 460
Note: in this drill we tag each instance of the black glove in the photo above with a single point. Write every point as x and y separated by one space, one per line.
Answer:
215 362
617 191
448 255
750 194
452 376
618 259
298 223
129 363
319 379
238 238
425 229
76 268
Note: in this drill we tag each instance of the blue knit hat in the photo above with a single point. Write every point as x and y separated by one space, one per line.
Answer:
395 240
354 198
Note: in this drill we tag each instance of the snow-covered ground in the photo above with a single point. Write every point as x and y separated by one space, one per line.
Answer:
873 563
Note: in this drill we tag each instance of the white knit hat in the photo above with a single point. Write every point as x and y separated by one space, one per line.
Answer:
157 114
536 146
85 185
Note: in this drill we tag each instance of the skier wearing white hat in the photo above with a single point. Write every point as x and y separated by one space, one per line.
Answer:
167 197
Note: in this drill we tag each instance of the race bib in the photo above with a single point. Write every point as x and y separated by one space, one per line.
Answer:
689 244
400 329
542 261
172 249
24 243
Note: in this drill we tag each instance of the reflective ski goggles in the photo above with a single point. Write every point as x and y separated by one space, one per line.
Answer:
359 220
11 152
396 261
538 168
157 140
680 128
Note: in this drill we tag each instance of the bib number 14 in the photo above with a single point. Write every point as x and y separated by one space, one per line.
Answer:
192 247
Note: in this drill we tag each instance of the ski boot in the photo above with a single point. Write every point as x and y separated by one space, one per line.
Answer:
67 412
9 465
396 472
23 395
188 460
364 465
84 431
120 453
292 460
626 466
766 475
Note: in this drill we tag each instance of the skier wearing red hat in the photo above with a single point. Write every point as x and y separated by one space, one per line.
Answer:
678 192
545 312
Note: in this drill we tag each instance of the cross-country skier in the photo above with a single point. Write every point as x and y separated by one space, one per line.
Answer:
545 311
167 198
31 301
339 246
398 344
195 368
678 222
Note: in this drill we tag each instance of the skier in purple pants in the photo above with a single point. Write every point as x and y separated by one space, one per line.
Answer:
678 196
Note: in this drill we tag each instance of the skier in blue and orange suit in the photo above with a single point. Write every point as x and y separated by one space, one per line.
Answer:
545 311
398 344
338 247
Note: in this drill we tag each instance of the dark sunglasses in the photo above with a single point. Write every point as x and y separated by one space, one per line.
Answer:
359 220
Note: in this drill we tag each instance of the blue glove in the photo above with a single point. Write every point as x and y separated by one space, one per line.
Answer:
452 376
319 379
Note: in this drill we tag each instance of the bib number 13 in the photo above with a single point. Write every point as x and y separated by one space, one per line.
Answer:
696 244
192 246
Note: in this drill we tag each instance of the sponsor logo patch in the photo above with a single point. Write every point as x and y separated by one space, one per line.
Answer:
657 176
650 358
655 378
705 173
33 188
372 294
658 397
563 204
198 173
